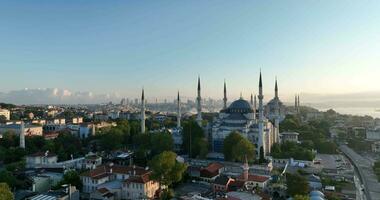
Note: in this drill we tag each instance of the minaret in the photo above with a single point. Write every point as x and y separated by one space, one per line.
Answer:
254 106
142 112
22 135
245 169
277 117
199 104
251 100
298 103
295 105
178 111
225 96
261 146
276 90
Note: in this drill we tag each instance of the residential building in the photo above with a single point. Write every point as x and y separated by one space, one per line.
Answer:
29 129
124 182
40 158
211 172
221 183
6 113
289 137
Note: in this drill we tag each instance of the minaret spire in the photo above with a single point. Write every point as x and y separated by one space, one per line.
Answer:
298 103
254 106
142 112
261 143
225 95
251 99
276 89
178 111
199 103
295 104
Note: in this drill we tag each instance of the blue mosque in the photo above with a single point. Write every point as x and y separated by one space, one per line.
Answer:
259 124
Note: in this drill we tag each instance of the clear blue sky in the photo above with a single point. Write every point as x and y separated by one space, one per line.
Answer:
120 46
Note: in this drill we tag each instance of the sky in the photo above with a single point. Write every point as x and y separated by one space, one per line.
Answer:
118 47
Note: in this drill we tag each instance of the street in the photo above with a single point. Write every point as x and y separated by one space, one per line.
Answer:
368 178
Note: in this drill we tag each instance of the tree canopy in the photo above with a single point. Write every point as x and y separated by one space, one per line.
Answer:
236 148
315 132
166 169
296 184
291 150
5 192
194 133
71 177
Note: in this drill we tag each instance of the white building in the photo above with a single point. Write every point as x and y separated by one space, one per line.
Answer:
86 129
40 159
77 120
29 129
289 137
373 134
6 113
123 182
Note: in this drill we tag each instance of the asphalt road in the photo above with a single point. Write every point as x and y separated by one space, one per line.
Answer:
364 166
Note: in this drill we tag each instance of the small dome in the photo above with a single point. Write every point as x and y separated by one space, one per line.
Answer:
316 198
274 101
316 193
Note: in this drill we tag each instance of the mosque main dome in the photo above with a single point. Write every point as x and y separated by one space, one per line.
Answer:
240 106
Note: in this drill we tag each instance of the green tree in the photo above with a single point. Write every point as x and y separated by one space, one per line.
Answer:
161 142
301 197
8 178
66 145
228 144
3 119
34 143
166 169
10 139
71 177
296 184
112 139
194 133
236 147
291 150
5 192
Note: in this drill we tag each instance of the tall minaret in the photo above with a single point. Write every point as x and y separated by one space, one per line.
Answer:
142 112
199 103
251 100
295 105
261 143
298 103
178 111
245 169
225 96
277 117
254 106
22 135
276 90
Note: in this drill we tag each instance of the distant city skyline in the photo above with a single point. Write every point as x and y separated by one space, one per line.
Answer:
119 47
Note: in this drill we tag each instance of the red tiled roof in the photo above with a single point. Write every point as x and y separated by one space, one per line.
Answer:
211 170
103 190
214 167
237 183
139 179
255 178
